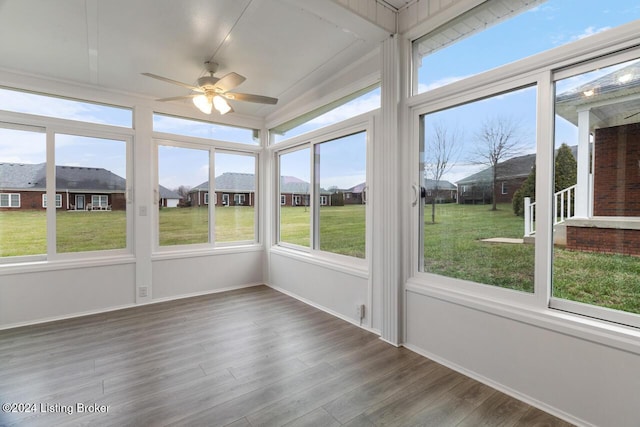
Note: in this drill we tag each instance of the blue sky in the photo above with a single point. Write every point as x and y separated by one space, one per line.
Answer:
551 24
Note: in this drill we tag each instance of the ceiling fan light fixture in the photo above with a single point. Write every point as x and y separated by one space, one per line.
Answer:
221 104
203 103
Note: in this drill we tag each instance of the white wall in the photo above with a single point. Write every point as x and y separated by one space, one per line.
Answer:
205 274
52 294
580 380
331 289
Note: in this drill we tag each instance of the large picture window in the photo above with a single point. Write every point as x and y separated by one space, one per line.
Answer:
471 154
92 173
596 257
235 178
182 195
340 167
294 187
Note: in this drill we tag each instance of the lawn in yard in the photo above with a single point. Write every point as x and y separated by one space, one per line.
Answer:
453 247
342 228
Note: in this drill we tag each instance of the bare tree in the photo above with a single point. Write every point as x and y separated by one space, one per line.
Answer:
441 151
183 191
498 139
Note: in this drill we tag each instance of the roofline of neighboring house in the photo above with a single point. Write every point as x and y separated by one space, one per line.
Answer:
65 190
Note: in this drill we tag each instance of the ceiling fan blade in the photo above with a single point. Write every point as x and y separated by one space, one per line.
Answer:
177 98
229 81
251 98
175 82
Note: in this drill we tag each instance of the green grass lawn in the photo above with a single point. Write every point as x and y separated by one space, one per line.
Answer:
342 228
453 248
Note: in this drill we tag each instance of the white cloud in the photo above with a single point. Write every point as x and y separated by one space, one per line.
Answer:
422 87
351 109
589 31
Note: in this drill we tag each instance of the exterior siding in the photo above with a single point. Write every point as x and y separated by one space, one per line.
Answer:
32 200
616 182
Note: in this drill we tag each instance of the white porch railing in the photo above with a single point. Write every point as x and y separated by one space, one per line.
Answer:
563 208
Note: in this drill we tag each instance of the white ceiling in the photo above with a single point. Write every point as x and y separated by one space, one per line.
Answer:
283 47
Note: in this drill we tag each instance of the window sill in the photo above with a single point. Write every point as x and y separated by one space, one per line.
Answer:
203 252
598 331
70 264
356 267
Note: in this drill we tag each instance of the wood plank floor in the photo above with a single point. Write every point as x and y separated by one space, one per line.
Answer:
251 357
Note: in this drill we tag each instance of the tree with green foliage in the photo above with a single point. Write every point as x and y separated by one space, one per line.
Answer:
566 169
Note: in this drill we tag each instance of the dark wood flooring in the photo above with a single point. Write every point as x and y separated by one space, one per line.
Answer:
251 357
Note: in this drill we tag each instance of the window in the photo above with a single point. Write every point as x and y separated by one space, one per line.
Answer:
596 256
8 200
294 182
58 200
283 199
507 28
504 189
474 145
93 171
183 175
341 164
236 175
99 201
201 129
69 109
23 223
360 102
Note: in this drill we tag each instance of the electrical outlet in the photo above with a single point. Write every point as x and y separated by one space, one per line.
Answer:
360 311
143 291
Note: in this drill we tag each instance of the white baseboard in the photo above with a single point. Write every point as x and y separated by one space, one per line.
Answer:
500 387
323 308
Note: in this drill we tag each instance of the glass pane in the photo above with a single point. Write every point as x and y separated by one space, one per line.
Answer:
295 212
597 202
235 197
91 175
341 170
60 108
328 115
475 159
23 222
199 129
183 175
458 49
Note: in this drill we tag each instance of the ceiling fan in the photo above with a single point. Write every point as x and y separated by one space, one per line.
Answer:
213 92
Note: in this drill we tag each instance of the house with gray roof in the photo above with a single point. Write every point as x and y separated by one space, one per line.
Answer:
441 191
238 189
23 186
168 198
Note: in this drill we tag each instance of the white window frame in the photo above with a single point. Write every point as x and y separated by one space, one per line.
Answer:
503 189
283 199
362 123
239 199
212 147
206 198
58 201
539 70
297 200
323 200
9 198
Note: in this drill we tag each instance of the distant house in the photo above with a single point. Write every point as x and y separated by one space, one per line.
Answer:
476 188
441 191
168 198
23 186
238 189
356 195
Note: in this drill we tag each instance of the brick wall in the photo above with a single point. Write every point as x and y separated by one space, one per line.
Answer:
604 240
617 171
